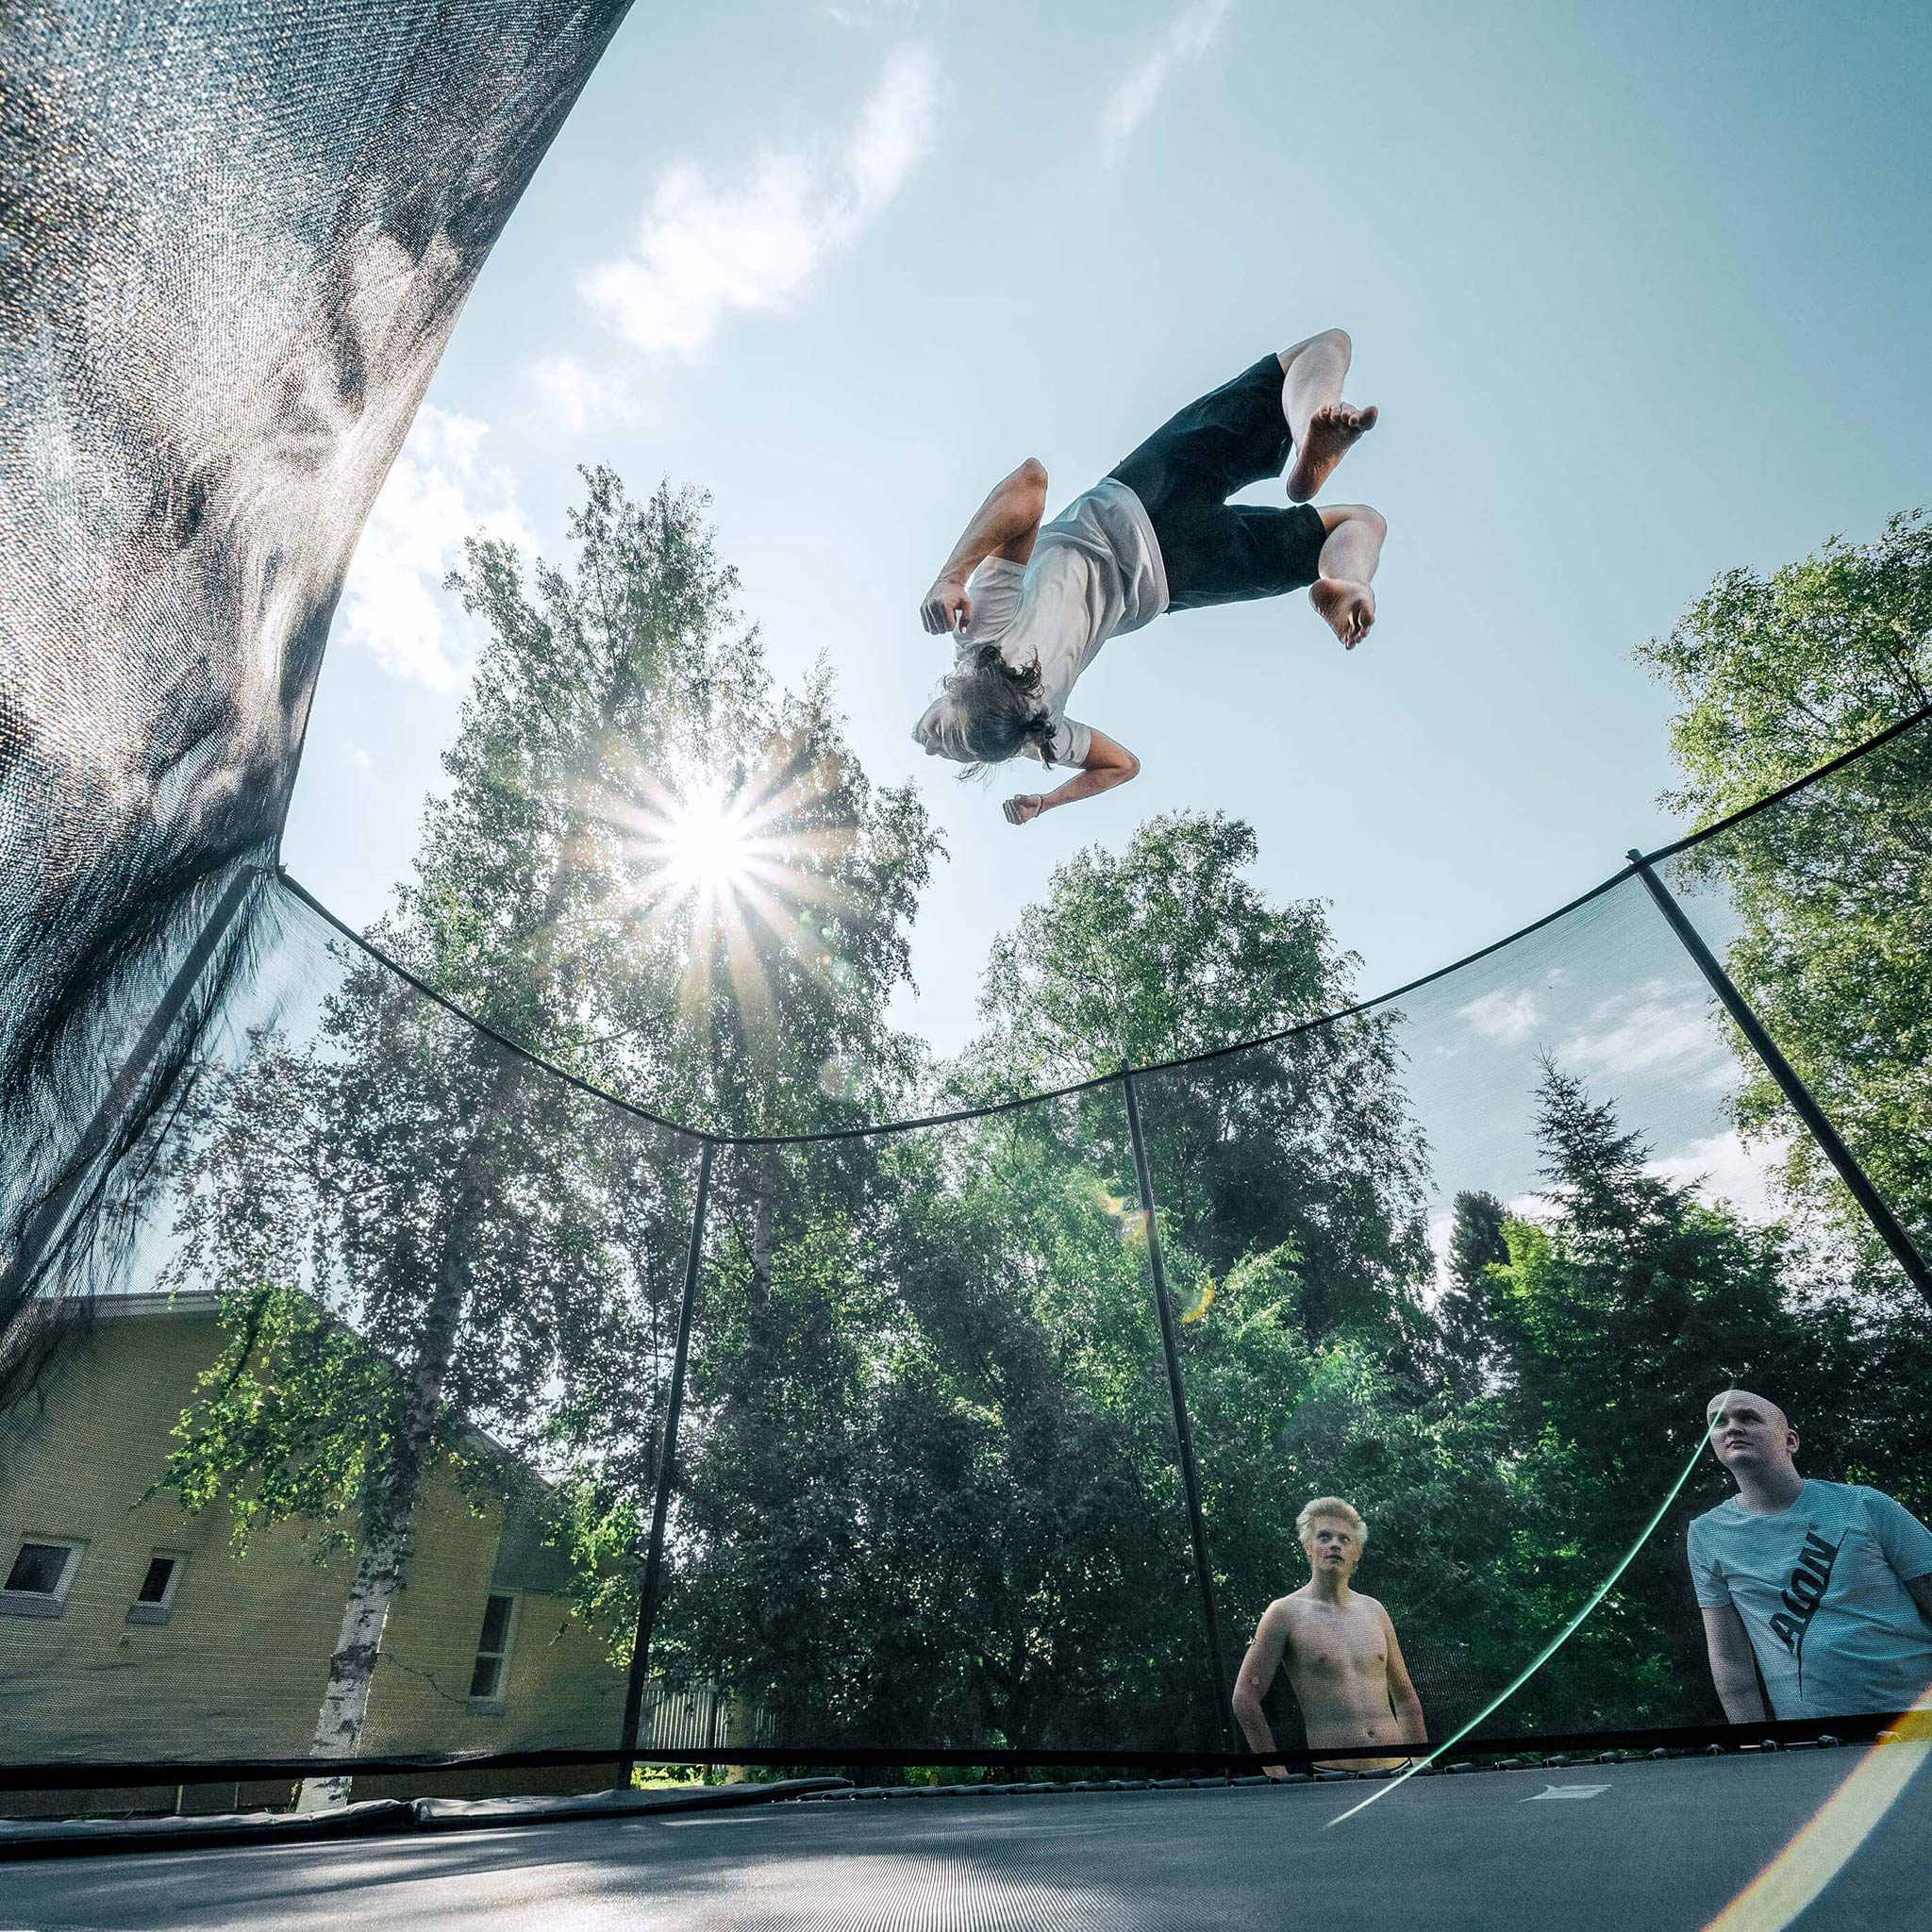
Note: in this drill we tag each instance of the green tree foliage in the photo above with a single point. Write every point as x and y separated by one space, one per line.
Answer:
1476 1244
510 1245
1165 950
928 1489
1833 888
938 1498
1304 1144
1617 1314
937 1494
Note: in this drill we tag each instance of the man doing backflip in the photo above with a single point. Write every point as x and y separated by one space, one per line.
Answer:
1339 1649
1031 603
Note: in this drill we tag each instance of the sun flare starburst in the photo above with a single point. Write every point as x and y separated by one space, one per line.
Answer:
709 845
747 874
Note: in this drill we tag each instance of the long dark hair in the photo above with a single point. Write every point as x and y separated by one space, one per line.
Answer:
1001 708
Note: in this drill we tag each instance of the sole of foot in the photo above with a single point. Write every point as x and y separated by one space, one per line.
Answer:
1332 433
1348 610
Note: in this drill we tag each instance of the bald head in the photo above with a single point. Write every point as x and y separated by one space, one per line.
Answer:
1750 1434
1744 1399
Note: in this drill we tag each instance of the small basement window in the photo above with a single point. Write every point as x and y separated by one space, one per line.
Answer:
492 1649
40 1576
155 1599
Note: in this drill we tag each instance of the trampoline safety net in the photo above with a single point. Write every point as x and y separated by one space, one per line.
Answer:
377 1389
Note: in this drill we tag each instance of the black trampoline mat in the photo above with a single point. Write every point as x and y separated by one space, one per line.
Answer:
1636 1845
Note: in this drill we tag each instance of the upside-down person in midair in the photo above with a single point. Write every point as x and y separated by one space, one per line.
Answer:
1032 603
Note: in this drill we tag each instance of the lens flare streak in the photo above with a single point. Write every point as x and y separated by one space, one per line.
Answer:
1826 1843
1548 1651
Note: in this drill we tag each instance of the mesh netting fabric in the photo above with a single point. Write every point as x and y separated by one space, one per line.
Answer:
1472 1256
1567 1100
362 1457
238 239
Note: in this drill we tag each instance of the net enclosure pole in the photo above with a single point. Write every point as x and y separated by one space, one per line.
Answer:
38 1239
1184 1438
1817 1122
667 1464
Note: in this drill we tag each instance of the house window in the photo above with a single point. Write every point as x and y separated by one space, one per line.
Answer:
40 1576
155 1600
492 1649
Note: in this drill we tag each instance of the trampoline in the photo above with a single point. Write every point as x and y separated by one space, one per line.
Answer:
833 1442
1623 1847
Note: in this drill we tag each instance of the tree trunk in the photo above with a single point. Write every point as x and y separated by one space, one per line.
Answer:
378 1574
761 1240
345 1701
352 1669
741 1727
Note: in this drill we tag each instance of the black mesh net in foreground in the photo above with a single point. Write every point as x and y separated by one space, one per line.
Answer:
1474 1260
340 1340
930 1494
237 242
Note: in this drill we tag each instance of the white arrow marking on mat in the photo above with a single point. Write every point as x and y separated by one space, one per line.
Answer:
1567 1791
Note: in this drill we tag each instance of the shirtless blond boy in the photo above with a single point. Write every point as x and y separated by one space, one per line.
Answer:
1339 1649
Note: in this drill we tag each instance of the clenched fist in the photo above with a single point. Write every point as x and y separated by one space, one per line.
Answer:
946 607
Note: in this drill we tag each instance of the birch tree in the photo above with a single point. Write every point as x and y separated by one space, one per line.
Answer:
649 866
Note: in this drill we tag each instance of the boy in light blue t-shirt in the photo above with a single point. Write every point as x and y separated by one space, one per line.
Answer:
1826 1587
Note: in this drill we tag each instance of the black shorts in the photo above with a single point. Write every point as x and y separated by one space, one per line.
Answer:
1217 551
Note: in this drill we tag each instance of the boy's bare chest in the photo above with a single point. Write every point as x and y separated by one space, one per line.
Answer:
1326 1640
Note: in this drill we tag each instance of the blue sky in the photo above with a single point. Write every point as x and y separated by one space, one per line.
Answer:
1642 291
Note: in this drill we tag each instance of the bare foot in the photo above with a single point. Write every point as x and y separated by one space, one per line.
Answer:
1332 433
1348 610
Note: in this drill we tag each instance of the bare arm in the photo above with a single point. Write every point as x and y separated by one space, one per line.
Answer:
1107 764
1004 526
1733 1669
1920 1589
1257 1673
1406 1705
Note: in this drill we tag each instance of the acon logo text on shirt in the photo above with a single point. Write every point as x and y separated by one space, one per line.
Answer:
1802 1596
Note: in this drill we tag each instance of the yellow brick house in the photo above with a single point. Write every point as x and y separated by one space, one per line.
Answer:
129 1631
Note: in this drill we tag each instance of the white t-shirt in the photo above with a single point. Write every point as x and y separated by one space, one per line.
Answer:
1822 1590
1096 573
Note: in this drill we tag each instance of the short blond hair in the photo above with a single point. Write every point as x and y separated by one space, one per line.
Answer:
1341 1511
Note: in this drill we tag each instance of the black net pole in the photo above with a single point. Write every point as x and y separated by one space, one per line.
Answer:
1219 1686
1817 1121
18 1276
667 1462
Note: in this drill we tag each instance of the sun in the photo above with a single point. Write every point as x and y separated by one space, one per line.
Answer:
737 876
709 845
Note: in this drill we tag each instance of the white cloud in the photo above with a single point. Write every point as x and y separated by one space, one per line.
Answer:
1187 38
704 252
441 490
1726 1075
1511 1017
356 756
1660 1025
1723 1169
1720 1167
572 395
